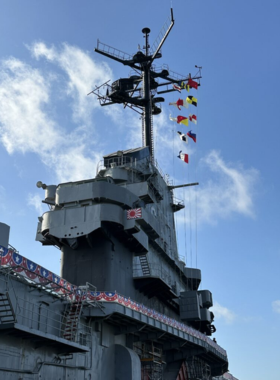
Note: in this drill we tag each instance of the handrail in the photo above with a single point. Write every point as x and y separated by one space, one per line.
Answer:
125 160
155 270
92 297
43 319
115 297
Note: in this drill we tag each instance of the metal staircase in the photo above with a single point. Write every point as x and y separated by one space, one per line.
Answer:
7 314
144 265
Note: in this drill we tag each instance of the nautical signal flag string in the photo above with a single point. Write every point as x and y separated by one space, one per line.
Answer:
192 135
185 86
180 103
183 137
184 157
184 103
180 120
192 100
192 84
193 118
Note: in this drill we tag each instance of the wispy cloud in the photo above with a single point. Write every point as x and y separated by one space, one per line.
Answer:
276 306
35 200
28 122
222 312
82 73
235 194
24 125
231 191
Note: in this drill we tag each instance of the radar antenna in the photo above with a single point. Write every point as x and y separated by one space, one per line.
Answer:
127 91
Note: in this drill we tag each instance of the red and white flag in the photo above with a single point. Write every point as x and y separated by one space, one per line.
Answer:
193 118
180 103
134 213
176 87
184 157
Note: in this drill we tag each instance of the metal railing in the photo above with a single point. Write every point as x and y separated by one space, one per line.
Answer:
113 162
113 51
177 201
38 316
155 271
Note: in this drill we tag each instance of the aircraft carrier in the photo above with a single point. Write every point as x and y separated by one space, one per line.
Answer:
124 305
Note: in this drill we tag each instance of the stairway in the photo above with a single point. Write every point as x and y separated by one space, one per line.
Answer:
7 314
72 321
144 265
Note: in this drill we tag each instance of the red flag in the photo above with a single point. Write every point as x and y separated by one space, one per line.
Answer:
192 83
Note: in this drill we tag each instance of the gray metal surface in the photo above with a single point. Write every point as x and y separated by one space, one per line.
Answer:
4 234
144 317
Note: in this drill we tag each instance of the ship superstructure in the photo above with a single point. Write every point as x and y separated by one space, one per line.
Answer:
124 306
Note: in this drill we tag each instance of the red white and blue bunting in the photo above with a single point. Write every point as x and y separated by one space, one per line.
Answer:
36 274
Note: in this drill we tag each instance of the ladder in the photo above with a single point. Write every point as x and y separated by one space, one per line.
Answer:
7 314
144 265
72 318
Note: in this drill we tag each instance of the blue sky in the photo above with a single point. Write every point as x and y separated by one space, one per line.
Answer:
51 131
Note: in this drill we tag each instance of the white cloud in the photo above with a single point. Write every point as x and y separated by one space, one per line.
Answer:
230 191
83 74
74 164
236 193
276 306
223 313
24 126
28 121
35 200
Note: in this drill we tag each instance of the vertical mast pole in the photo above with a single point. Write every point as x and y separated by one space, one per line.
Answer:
147 111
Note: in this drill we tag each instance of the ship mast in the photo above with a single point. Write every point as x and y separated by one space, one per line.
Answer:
138 91
147 118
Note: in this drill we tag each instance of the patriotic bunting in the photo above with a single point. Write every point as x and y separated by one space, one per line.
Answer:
6 255
110 296
11 259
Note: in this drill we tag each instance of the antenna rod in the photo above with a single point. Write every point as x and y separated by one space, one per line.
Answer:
185 185
164 37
